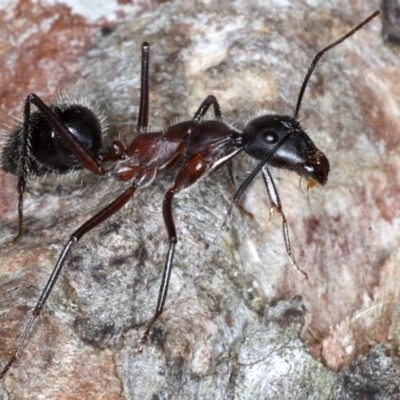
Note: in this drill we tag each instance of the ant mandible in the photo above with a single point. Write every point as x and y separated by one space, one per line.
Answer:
66 137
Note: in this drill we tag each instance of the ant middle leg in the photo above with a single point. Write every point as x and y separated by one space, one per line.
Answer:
195 168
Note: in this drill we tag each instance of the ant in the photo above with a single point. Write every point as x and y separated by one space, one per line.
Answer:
66 137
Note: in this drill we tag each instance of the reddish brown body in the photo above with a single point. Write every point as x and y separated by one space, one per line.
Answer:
204 144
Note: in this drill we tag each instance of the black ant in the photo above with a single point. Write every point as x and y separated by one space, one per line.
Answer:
64 138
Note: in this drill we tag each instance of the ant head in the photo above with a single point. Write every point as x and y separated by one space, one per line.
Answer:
295 152
281 142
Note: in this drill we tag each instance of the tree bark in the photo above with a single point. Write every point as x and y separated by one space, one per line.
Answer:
240 329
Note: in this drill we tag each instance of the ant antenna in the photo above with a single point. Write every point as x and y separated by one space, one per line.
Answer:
322 52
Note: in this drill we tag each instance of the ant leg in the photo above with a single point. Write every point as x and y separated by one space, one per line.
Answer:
21 186
238 203
143 118
100 217
116 151
191 172
205 105
80 152
277 206
212 100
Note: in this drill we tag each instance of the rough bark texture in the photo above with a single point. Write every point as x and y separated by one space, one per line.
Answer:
239 330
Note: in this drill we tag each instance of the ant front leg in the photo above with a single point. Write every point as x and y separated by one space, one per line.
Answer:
277 206
191 172
207 103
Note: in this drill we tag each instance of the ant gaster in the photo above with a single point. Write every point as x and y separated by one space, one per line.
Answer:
63 138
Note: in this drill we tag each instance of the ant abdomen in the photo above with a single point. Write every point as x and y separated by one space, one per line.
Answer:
47 152
297 152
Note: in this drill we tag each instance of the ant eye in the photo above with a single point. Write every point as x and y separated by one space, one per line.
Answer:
270 137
